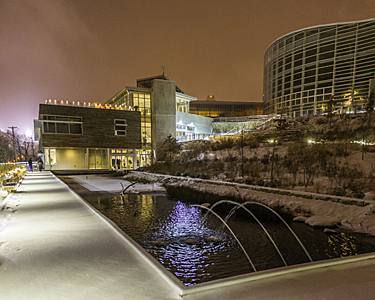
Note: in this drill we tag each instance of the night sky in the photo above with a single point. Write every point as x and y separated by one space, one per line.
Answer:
88 50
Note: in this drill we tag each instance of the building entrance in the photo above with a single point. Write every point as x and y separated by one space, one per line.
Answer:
122 159
122 162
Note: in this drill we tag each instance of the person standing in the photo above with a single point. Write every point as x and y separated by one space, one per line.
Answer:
40 164
30 164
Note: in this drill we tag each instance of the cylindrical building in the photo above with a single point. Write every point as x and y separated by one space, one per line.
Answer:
305 68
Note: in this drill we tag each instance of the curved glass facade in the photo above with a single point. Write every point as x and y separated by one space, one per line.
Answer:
303 69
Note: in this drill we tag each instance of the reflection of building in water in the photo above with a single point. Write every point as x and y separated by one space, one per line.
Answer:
303 69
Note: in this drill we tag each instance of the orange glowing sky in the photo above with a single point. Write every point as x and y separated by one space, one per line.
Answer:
87 50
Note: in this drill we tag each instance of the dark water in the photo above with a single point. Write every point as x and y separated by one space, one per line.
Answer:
181 238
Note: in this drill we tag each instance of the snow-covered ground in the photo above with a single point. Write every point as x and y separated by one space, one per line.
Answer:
313 212
98 183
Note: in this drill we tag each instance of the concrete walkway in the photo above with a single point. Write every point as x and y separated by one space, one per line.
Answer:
55 246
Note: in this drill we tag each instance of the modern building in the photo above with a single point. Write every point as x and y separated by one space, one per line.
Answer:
164 110
305 68
212 108
125 132
79 136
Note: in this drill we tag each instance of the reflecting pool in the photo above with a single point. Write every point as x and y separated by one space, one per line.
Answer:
198 249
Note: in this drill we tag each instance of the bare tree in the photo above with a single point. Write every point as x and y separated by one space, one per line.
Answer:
5 148
330 109
369 106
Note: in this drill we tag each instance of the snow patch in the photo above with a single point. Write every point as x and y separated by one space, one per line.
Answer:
300 219
323 221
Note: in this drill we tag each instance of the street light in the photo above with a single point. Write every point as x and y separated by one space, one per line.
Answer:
29 134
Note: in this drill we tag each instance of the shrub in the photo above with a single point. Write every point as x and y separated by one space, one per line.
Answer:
358 193
339 191
260 182
205 176
253 144
178 173
273 183
248 181
185 174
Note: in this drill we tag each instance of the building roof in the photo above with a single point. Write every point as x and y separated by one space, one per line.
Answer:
160 77
228 102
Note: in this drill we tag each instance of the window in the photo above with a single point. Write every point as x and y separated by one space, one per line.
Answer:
120 127
62 124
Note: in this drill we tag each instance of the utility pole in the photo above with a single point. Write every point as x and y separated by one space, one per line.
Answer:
242 145
13 141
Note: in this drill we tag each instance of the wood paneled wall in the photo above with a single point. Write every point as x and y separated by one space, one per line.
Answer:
98 128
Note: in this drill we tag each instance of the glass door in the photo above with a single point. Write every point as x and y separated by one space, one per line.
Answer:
122 162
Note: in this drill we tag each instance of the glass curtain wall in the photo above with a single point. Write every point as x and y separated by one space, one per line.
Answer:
302 70
182 105
138 101
142 103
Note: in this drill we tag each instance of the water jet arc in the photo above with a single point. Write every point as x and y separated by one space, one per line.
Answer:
238 205
275 213
226 225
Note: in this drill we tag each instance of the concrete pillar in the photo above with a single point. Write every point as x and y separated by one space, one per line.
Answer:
163 116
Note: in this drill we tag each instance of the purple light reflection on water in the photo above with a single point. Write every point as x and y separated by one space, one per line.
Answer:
182 245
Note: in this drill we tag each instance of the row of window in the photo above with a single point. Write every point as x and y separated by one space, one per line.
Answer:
73 125
62 127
